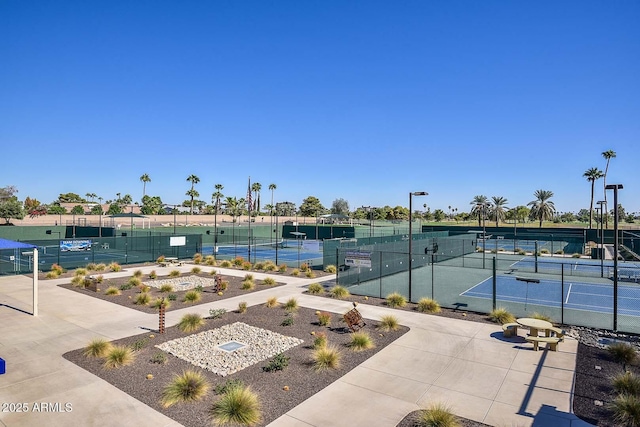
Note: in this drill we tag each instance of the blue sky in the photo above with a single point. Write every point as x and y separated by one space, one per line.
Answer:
361 100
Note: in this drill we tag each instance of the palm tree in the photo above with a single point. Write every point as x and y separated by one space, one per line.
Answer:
144 179
215 197
609 154
498 210
256 187
193 179
592 175
478 202
272 187
542 208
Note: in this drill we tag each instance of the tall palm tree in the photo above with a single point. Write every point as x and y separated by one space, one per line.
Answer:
542 208
477 203
256 187
272 187
592 175
144 179
498 209
216 196
193 179
608 155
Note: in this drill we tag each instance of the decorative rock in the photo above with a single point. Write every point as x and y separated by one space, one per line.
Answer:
149 376
285 388
598 402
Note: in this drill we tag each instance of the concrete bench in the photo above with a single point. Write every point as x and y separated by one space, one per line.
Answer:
510 330
556 332
552 342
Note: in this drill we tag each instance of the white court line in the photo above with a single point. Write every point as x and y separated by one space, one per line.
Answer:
566 301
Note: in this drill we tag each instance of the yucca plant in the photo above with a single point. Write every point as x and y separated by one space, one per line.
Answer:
112 290
118 356
327 357
622 352
339 292
271 302
192 296
501 315
97 347
330 269
269 281
190 322
388 323
315 289
626 410
428 305
242 307
166 288
143 298
438 415
237 406
361 341
626 383
291 304
396 299
190 386
174 273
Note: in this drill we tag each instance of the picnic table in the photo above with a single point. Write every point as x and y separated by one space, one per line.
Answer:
534 325
170 260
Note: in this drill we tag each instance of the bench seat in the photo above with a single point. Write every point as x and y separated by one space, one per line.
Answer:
557 332
510 330
552 342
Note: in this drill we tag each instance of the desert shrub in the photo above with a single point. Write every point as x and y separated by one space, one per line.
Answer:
238 405
330 269
192 296
501 315
137 273
174 273
248 285
327 357
172 297
114 266
237 261
288 321
559 252
159 302
360 341
112 290
224 285
428 305
541 316
310 274
80 272
160 259
228 385
134 282
97 347
438 415
118 356
153 275
100 278
315 288
388 323
295 272
142 298
270 266
91 266
304 267
213 272
576 256
291 304
259 266
190 322
248 276
320 340
100 267
622 352
52 275
139 344
626 410
197 258
77 281
324 318
396 300
217 313
199 288
339 292
544 251
282 268
272 302
278 363
269 281
196 270
57 268
159 358
190 386
226 264
210 260
125 287
144 288
626 383
166 288
246 265
242 307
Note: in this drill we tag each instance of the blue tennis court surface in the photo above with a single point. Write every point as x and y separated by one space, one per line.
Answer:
592 268
576 295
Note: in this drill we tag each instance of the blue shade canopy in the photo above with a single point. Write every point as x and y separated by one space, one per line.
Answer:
10 244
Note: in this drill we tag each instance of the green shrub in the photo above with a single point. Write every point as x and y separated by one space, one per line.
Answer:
271 302
192 296
626 410
501 315
324 318
134 282
174 273
196 270
77 281
622 352
97 347
320 340
315 289
228 385
238 261
226 264
100 267
199 288
360 341
270 266
80 272
388 323
52 275
159 358
396 300
278 363
248 285
166 288
438 415
139 344
137 273
172 297
626 383
428 305
118 356
217 313
190 386
339 292
237 406
125 287
288 321
291 304
112 290
242 307
269 281
143 298
327 357
153 275
190 322
330 269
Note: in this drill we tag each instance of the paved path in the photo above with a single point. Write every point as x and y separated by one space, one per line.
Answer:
466 365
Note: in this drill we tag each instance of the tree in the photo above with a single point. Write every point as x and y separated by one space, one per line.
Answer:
592 175
310 206
608 155
70 198
37 211
56 209
7 192
11 208
438 215
479 205
30 204
77 210
152 205
498 209
542 208
285 209
114 209
256 187
340 207
192 193
216 197
91 196
272 188
144 179
97 210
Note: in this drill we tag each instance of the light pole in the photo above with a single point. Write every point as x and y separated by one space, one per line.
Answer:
416 193
484 233
601 205
615 188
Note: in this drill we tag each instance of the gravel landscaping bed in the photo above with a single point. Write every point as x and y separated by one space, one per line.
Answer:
300 378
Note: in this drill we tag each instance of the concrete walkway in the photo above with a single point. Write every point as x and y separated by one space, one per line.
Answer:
467 365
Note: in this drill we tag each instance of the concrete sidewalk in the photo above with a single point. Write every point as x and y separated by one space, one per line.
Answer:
467 365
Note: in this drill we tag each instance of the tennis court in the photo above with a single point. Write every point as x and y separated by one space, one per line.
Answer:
287 251
575 295
627 271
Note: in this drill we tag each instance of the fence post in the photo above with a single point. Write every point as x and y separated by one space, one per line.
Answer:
535 255
562 294
494 283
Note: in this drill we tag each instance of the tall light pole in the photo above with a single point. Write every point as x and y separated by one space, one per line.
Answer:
416 193
615 188
601 205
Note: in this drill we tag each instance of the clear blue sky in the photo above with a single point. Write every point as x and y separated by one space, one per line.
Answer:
360 100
